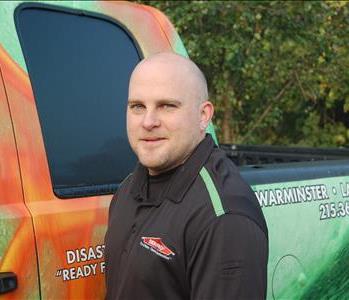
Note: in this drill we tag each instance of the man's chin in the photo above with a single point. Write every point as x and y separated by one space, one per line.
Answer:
153 168
150 161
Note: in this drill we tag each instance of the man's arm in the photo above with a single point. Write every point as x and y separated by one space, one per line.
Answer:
229 260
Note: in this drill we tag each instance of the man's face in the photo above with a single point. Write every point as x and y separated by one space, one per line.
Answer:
163 116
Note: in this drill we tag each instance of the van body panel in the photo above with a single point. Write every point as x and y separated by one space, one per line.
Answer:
308 224
17 243
55 245
69 233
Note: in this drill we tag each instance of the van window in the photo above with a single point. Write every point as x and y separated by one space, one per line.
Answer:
79 66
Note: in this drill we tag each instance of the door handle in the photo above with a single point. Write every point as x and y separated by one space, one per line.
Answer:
8 282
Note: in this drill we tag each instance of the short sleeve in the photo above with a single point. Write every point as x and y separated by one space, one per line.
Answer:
229 260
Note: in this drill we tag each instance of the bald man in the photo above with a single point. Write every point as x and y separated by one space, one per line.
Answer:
183 225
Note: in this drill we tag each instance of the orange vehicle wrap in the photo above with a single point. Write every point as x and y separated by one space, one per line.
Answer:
66 257
17 244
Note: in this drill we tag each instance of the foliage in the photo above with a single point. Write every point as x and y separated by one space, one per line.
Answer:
278 72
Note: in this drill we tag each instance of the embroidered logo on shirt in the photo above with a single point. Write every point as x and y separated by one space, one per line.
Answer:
157 246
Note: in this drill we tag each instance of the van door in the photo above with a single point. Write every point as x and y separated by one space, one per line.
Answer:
72 140
18 261
71 128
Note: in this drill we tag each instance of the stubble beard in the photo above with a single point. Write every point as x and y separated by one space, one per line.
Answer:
156 163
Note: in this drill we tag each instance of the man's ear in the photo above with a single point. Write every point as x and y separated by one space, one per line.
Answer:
206 109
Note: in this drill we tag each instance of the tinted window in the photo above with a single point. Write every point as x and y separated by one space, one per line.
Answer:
79 66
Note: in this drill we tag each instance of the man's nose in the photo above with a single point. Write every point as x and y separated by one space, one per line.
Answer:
150 120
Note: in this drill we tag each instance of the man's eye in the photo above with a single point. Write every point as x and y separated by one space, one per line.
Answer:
136 107
168 106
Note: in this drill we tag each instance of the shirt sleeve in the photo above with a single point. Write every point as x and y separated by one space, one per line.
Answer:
229 260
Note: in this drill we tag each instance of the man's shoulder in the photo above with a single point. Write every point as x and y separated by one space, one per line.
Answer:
227 191
219 195
226 176
218 181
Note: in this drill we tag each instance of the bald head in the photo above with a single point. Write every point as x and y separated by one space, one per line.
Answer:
167 112
175 65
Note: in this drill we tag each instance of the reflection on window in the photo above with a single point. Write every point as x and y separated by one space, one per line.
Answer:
79 67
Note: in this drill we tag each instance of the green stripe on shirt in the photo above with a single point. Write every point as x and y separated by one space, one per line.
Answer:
211 188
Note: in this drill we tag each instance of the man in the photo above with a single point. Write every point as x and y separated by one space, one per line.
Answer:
184 225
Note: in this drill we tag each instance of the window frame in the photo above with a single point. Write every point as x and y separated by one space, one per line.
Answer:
72 191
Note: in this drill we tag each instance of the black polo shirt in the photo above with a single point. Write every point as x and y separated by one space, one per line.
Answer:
204 237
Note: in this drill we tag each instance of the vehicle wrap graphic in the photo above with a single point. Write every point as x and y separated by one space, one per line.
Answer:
309 241
90 263
60 225
16 230
308 252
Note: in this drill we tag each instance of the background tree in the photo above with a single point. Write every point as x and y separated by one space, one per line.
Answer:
278 72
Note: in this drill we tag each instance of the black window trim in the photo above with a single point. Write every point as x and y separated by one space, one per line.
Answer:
72 191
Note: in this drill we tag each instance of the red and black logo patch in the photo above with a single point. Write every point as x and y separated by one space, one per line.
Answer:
157 246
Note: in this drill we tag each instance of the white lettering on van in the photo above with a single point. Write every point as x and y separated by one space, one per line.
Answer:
92 257
292 195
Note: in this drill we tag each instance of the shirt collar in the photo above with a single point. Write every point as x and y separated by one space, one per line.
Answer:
181 180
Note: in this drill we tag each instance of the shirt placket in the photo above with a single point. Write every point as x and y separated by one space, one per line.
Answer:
144 212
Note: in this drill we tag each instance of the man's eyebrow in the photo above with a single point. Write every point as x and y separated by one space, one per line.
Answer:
133 101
